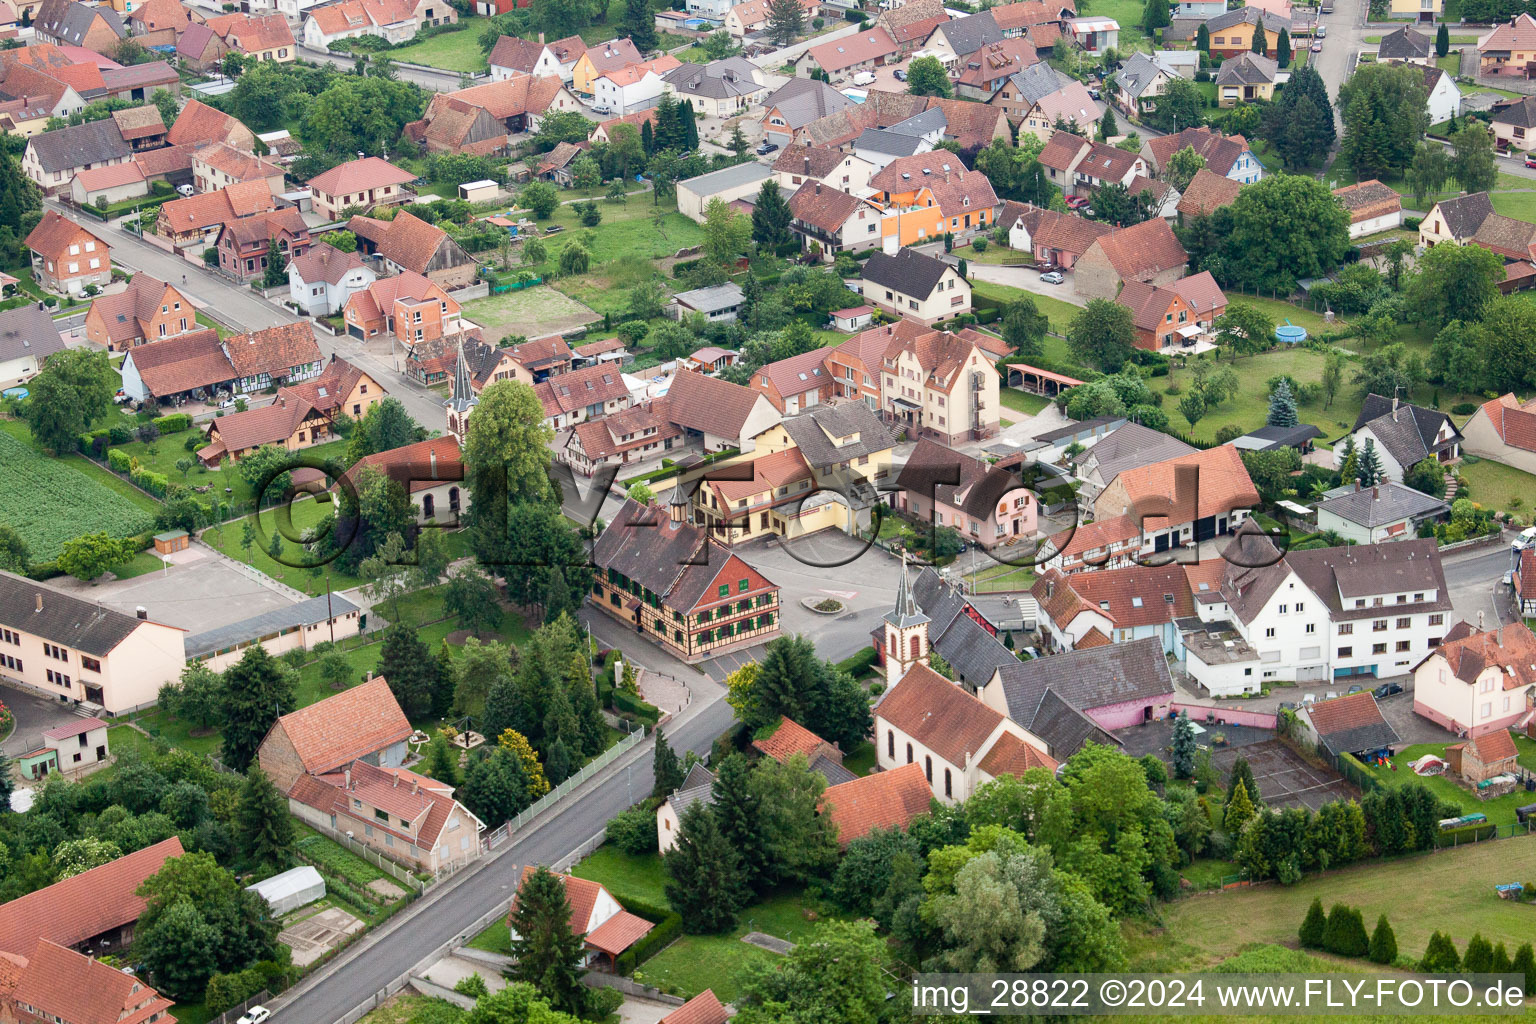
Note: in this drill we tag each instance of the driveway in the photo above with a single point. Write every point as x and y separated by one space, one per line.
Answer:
34 714
1028 279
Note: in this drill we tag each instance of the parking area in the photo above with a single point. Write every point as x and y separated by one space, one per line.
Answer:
34 714
201 595
1284 779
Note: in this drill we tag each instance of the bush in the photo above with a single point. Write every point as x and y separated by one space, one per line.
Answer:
635 706
1463 409
669 926
979 243
1412 223
633 831
228 990
858 663
118 461
1202 76
175 423
876 688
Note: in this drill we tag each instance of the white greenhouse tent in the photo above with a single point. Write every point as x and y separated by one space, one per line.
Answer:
291 889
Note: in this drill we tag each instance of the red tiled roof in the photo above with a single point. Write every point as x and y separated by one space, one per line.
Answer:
516 53
1369 199
618 933
1344 713
273 349
324 262
200 124
590 385
1511 649
1201 292
871 44
1519 33
1207 193
85 905
238 164
193 360
1224 485
1143 250
359 175
797 374
883 800
1012 756
96 178
439 455
1493 747
407 240
703 1008
55 233
710 405
956 189
1093 638
63 985
346 726
938 714
788 739
581 893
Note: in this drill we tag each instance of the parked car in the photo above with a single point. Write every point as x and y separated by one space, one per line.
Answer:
1317 47
766 148
1088 211
1052 277
1075 202
255 1015
554 229
186 190
1530 159
1357 688
901 74
1386 690
600 108
1322 31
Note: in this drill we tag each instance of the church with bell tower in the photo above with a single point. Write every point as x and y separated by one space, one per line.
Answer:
906 632
462 398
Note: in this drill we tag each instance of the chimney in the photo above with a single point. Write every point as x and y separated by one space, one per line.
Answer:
1479 620
396 783
142 613
541 38
807 167
39 600
1394 403
415 787
818 188
432 456
1375 493
347 778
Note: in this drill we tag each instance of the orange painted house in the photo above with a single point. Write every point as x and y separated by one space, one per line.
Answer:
934 193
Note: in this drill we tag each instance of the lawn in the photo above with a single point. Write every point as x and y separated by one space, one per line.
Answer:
51 500
162 454
1451 890
495 939
144 562
1519 205
530 312
1001 576
606 289
1495 484
998 255
860 760
1500 810
1450 63
637 227
696 962
123 738
458 50
1527 750
164 726
1059 312
638 878
303 513
1022 401
1250 406
1207 873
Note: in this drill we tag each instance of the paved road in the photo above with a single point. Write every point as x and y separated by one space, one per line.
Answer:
458 902
1346 29
244 310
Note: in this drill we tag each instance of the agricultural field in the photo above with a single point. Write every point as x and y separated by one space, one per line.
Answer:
50 501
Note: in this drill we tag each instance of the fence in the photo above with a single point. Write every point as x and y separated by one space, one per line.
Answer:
501 834
372 857
234 1013
1227 716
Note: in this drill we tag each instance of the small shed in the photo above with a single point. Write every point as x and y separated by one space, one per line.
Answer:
481 191
291 889
172 540
855 318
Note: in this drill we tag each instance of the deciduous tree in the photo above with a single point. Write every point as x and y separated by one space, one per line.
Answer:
1102 334
926 77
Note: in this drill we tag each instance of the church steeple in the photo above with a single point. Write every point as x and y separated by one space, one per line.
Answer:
906 631
677 503
461 397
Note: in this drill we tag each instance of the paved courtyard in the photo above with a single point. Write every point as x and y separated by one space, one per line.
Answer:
203 594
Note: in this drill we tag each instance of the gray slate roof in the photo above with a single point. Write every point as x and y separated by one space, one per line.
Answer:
1268 438
63 619
1037 82
697 786
721 79
1383 505
1130 447
1247 69
967 35
973 652
1139 72
1465 214
908 272
802 101
923 123
879 140
1404 44
727 177
70 22
1408 434
305 613
718 296
810 429
1081 428
94 142
1364 570
28 331
830 770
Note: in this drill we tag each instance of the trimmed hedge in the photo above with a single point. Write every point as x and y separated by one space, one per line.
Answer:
859 663
175 423
635 706
669 927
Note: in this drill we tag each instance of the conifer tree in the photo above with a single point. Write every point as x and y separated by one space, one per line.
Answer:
1525 963
411 671
1314 926
263 826
706 883
1283 49
1282 406
735 808
1440 956
1183 747
666 767
442 761
1442 40
443 685
1239 810
547 954
1368 465
1108 126
591 729
1479 956
1242 772
1501 963
1383 942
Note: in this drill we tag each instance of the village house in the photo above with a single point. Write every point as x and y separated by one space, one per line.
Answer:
52 159
796 383
651 574
364 183
66 258
1508 47
941 386
1372 208
638 86
1080 166
407 305
323 278
264 37
603 925
1352 724
1207 193
431 472
96 909
1147 252
842 58
1040 97
1480 683
1190 498
1406 46
148 310
1486 756
721 88
796 104
717 413
1172 317
698 786
885 800
201 125
65 23
914 286
1455 220
1055 239
845 172
292 423
410 243
1504 430
395 21
201 49
482 119
1444 98
1246 78
718 302
749 18
220 165
1405 434
363 723
987 70
769 503
830 221
1140 82
986 505
1089 609
513 55
294 627
52 983
244 244
964 198
1380 513
28 337
74 650
161 22
197 219
190 365
1124 446
599 59
640 432
587 393
1232 33
1229 156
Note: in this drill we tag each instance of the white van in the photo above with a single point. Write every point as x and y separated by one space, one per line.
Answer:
864 78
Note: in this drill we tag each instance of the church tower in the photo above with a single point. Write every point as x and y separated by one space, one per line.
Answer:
906 632
462 398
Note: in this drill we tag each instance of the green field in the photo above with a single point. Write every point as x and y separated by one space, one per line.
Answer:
452 51
1451 890
49 501
1495 484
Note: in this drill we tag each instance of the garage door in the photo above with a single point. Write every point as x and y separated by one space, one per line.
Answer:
1309 673
355 331
1205 528
1163 542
